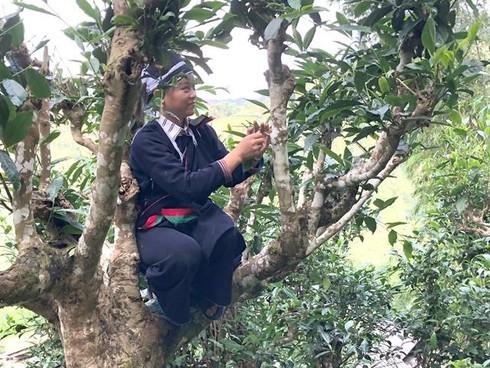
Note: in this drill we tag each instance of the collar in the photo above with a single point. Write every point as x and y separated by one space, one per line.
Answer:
173 130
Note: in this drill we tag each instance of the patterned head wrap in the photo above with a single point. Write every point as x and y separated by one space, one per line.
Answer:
153 77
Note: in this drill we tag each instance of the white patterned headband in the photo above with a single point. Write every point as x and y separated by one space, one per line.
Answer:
152 77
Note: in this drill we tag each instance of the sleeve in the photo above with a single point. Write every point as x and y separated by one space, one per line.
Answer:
243 171
154 155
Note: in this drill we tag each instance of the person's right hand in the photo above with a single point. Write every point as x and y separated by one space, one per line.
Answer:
251 146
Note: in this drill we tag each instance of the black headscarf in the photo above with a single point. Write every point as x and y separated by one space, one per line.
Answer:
153 77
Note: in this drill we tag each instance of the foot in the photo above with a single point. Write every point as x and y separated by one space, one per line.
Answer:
214 312
155 307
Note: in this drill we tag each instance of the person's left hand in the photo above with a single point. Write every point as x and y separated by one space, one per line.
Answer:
264 129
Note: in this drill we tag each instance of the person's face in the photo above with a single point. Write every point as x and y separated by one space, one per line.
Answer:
181 99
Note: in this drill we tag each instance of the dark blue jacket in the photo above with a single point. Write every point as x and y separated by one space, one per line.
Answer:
165 182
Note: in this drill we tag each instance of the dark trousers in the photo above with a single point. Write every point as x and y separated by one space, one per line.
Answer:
175 265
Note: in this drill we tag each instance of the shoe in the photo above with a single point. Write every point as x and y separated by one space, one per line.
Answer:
154 306
145 295
216 315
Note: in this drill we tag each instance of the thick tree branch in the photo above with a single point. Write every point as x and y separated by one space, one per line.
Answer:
382 153
281 85
34 273
76 115
263 190
336 204
270 264
44 130
25 156
338 225
237 198
474 221
388 142
43 209
122 85
318 195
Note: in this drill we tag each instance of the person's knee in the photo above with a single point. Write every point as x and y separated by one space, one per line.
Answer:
179 265
188 256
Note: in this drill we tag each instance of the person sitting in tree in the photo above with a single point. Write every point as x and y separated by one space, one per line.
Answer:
188 247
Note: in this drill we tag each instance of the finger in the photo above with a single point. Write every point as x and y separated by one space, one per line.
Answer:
263 128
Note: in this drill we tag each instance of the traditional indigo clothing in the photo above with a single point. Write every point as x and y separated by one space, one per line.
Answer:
186 242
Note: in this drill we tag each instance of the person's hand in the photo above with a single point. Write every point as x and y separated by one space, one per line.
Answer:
251 146
264 129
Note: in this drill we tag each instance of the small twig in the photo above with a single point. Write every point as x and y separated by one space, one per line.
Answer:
4 184
5 205
407 87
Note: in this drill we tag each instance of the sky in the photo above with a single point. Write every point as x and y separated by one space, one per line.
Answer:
239 69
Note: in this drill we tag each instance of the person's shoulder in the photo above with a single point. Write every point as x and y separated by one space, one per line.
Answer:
151 126
206 129
148 130
150 136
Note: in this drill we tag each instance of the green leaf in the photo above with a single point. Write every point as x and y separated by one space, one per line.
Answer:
51 137
5 46
389 225
38 84
348 325
392 237
8 166
444 56
295 4
309 37
376 15
361 8
125 20
72 226
16 92
455 117
429 35
310 141
33 8
398 19
433 340
384 85
360 79
272 29
366 132
15 28
341 18
370 223
258 103
54 188
333 155
4 111
89 10
213 5
384 204
473 31
461 204
198 14
338 106
40 45
297 38
17 128
407 249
